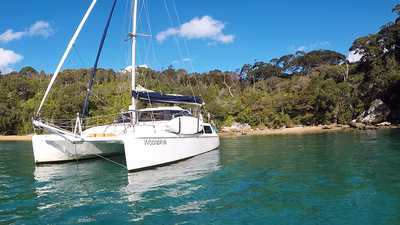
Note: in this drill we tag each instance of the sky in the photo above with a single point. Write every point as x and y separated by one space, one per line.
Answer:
195 35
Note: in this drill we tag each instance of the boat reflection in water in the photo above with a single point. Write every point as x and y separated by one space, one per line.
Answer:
78 183
179 173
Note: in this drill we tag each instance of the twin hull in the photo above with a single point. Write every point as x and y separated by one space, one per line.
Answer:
140 152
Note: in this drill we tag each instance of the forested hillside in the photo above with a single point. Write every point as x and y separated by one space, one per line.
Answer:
317 87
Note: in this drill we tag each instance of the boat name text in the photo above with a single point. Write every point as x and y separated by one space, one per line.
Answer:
157 141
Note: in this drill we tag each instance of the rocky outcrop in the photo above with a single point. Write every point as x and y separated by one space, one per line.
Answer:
377 113
237 127
384 124
361 126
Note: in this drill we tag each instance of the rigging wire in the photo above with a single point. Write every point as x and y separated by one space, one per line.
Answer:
79 56
148 42
125 30
190 62
90 83
146 47
153 49
172 25
127 26
177 41
184 40
148 97
139 21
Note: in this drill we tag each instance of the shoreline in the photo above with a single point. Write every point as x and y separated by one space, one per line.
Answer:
284 131
15 138
300 130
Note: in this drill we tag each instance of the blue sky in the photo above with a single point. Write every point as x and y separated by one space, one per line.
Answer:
200 36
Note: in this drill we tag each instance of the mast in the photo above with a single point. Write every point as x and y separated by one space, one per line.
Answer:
133 84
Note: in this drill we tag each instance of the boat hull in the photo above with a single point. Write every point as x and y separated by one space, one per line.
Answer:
53 148
145 152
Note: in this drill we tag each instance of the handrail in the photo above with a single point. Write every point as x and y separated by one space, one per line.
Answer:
57 130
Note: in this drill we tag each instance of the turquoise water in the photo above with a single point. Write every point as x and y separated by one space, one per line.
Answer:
337 178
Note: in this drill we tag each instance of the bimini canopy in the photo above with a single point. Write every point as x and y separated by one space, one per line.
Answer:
157 97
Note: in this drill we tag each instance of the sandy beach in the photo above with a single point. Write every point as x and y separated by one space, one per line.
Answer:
284 131
16 138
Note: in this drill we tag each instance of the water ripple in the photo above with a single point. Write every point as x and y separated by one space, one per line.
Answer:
337 178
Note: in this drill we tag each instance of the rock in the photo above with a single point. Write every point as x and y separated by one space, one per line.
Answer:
225 129
331 126
237 127
343 126
240 126
384 124
360 126
326 127
377 113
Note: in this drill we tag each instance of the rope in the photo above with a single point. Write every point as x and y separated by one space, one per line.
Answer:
105 158
112 161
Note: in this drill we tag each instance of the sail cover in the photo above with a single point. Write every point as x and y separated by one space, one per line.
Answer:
157 97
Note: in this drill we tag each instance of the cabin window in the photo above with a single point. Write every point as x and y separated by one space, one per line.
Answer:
180 113
207 130
160 115
124 118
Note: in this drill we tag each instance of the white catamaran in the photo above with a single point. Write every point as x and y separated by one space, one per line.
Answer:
149 137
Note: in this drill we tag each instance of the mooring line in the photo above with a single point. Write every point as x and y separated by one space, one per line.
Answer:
112 161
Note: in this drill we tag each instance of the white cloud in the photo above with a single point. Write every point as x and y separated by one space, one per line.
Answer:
128 69
165 34
199 28
144 66
178 61
354 57
312 46
301 48
10 35
7 58
39 28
